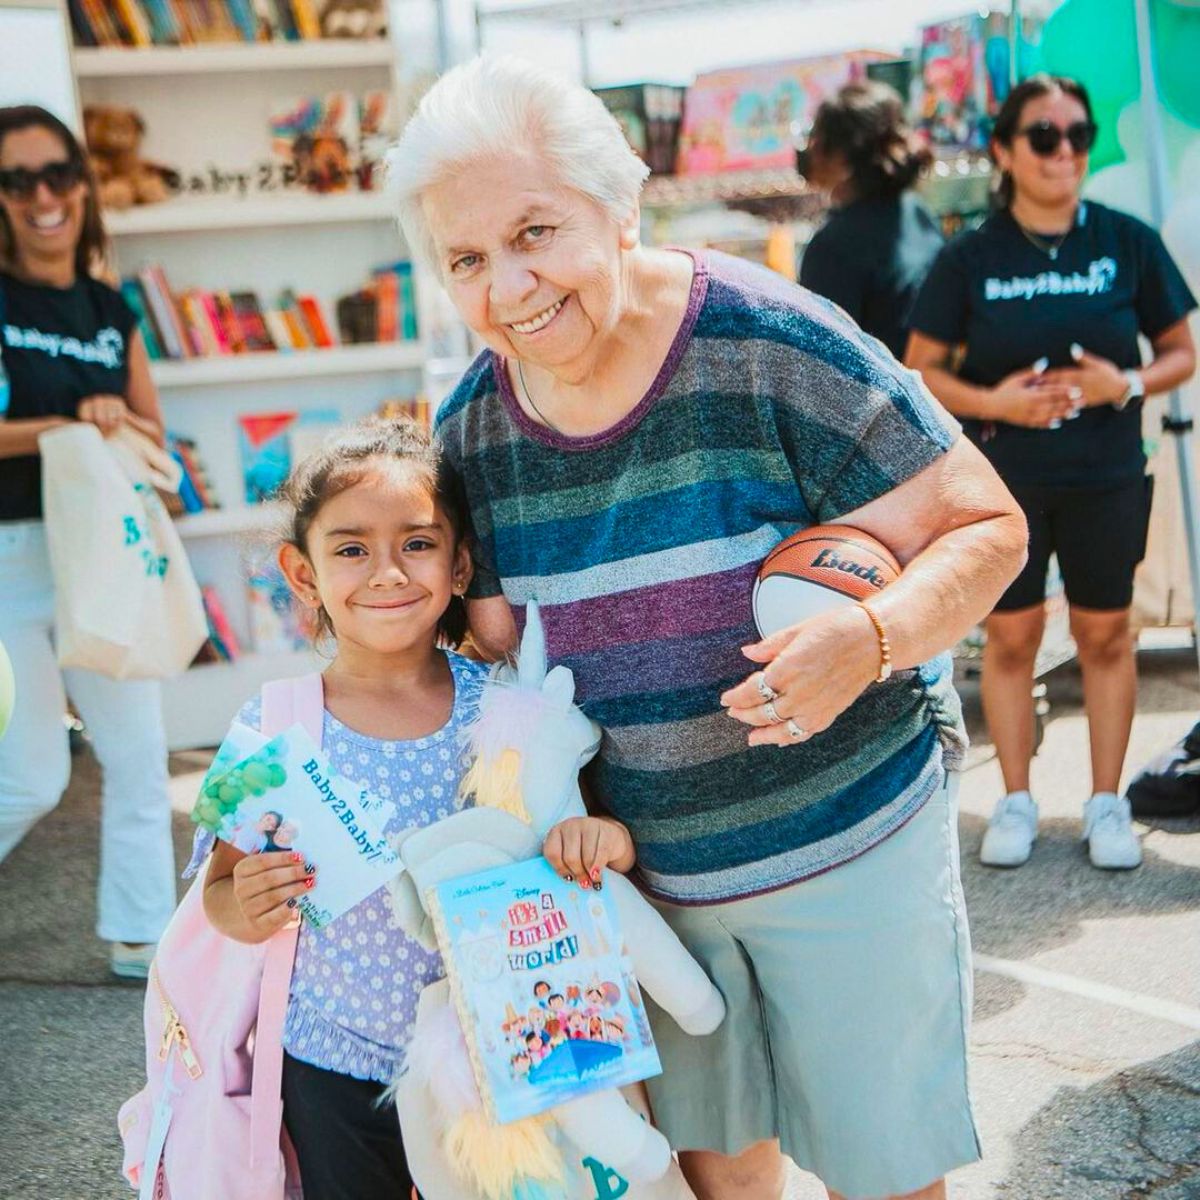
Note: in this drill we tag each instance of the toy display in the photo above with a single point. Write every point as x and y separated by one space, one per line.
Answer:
529 744
124 178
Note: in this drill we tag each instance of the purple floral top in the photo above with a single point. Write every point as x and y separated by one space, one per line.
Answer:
356 982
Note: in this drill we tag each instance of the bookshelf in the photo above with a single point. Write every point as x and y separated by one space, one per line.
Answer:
206 109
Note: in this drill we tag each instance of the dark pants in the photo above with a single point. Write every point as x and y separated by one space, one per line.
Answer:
348 1146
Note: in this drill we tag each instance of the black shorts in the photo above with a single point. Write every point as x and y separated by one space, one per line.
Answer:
1099 535
347 1143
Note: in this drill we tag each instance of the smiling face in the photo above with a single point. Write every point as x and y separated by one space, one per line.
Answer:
1046 180
533 267
46 227
383 560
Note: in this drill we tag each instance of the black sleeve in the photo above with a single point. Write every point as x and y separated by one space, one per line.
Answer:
1163 296
839 277
940 309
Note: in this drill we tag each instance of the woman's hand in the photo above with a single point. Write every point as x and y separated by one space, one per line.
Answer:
107 413
1098 380
1035 399
579 848
816 669
263 885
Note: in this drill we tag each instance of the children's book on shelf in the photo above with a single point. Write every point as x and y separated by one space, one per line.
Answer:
544 990
282 794
142 23
270 443
195 491
221 637
277 623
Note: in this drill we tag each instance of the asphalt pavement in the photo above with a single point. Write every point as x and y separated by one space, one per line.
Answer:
1085 1063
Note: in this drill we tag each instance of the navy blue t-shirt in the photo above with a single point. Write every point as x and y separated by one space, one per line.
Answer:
60 346
1009 303
869 258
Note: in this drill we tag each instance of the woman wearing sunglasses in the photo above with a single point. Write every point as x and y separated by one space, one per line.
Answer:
1027 329
71 350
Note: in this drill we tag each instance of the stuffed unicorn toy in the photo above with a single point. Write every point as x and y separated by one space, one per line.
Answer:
529 744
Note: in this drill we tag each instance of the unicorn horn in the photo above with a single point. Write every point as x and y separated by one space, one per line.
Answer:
531 663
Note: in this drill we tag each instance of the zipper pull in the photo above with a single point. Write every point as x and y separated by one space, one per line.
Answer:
190 1061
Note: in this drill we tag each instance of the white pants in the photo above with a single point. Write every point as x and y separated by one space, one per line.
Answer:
137 864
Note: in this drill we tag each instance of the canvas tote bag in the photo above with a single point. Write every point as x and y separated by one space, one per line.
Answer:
126 602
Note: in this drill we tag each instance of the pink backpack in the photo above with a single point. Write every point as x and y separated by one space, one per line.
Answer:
208 1125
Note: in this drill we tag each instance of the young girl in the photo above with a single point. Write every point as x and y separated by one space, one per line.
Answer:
375 551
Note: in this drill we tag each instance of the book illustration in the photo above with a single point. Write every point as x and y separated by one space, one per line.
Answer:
353 19
271 443
544 990
277 623
283 794
315 139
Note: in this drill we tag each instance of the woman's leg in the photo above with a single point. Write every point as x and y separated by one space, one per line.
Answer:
755 1174
1106 658
35 759
1006 688
348 1146
137 860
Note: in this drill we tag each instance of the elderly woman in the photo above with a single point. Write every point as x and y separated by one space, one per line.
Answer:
643 428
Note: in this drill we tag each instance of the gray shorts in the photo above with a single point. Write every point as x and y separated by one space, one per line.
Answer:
849 999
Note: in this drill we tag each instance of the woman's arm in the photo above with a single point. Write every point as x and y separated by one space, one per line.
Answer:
20 438
493 630
1026 397
145 411
246 896
961 539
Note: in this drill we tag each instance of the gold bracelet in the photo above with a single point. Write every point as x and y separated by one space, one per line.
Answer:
885 647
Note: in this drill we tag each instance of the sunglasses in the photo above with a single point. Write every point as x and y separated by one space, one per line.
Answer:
1045 137
20 183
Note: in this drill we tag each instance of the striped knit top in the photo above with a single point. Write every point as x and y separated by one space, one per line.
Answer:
772 412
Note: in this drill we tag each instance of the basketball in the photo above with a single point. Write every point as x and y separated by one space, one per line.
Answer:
817 569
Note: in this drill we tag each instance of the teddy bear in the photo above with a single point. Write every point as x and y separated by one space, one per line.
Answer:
353 19
124 178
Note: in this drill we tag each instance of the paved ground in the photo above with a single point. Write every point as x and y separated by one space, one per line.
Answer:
1086 1067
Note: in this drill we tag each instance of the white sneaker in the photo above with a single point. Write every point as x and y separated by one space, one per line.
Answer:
1011 832
130 962
1108 831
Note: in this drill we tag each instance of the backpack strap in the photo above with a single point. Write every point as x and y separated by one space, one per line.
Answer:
285 702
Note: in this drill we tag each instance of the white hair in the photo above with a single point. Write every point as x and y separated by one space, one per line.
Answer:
491 107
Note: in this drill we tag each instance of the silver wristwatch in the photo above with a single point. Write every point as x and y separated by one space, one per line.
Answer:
1135 389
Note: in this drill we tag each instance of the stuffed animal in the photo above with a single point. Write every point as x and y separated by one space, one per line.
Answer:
124 178
529 744
353 19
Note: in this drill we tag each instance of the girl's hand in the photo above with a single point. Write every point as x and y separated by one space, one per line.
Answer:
579 848
1098 380
1036 400
107 413
817 670
264 883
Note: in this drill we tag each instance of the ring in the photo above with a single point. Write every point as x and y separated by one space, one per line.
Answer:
765 690
795 730
772 715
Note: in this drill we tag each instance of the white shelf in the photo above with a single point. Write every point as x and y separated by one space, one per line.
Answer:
231 57
367 359
185 214
225 522
199 705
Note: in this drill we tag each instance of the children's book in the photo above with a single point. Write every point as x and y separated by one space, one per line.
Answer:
544 989
282 794
270 444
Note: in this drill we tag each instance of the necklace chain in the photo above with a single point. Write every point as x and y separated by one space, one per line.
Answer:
1048 246
533 403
